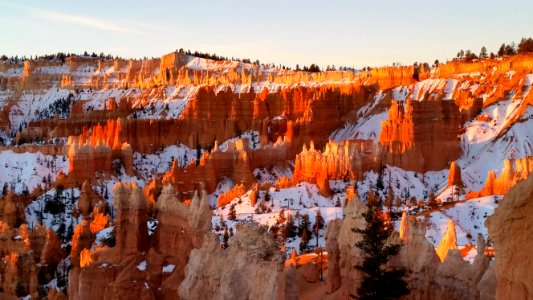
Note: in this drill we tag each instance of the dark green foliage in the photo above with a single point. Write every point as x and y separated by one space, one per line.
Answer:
232 215
379 182
289 230
5 189
312 68
226 237
56 204
110 241
416 72
379 283
267 196
60 107
483 52
319 222
526 45
304 241
305 225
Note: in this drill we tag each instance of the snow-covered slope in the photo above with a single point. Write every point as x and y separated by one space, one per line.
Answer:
26 170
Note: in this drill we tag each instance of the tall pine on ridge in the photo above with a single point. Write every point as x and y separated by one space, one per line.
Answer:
378 282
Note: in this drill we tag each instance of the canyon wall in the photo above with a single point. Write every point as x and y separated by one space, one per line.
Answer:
421 135
140 264
509 229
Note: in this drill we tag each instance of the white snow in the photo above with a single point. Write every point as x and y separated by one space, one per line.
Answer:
29 169
251 136
487 144
302 199
469 218
142 265
367 125
149 165
168 268
54 210
103 234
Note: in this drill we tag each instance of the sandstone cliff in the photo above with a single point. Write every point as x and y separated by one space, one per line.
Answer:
140 265
509 229
250 268
421 135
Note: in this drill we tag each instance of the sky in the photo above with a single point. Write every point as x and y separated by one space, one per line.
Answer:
288 32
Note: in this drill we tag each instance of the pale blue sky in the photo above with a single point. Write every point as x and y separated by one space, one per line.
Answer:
349 33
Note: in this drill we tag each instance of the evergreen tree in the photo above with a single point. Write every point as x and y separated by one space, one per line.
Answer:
510 49
379 182
501 51
232 215
305 225
525 45
226 237
304 241
483 52
5 189
289 230
267 196
378 283
319 222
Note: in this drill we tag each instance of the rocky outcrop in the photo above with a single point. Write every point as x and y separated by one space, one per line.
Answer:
140 265
250 268
347 160
343 255
421 135
509 229
513 172
448 241
236 163
454 176
21 250
88 155
89 200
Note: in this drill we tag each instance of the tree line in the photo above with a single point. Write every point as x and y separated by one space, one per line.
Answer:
525 46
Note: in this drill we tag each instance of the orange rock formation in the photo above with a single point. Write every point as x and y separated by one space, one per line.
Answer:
513 172
421 135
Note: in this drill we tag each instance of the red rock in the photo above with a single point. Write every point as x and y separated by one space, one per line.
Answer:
416 137
454 176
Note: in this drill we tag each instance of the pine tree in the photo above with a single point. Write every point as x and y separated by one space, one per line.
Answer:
305 225
483 53
378 283
319 222
226 237
304 241
232 215
501 51
289 230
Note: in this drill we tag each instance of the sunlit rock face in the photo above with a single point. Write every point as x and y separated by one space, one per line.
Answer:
454 177
513 172
509 229
448 241
421 135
